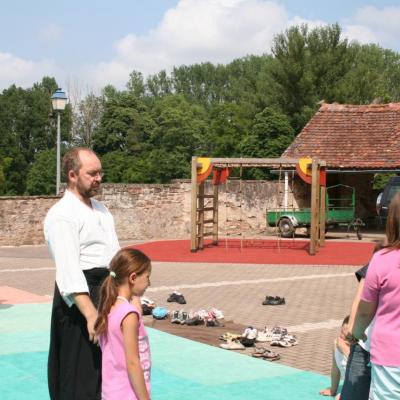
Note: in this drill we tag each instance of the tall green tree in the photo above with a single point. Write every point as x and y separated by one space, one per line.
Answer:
269 137
27 127
41 179
120 117
308 65
86 120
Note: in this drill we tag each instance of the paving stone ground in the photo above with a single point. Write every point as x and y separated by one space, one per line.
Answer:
317 297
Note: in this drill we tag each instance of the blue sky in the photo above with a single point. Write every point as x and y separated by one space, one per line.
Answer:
90 43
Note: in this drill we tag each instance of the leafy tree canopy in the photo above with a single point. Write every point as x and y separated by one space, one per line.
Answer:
250 107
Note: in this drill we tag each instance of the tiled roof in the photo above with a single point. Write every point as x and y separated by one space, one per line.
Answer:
352 136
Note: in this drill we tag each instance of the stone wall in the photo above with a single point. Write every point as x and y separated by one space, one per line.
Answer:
147 211
21 219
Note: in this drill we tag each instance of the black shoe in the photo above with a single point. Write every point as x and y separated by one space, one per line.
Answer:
146 310
246 342
196 320
274 301
267 300
176 298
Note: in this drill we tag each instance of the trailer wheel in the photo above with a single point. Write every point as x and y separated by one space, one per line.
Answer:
286 228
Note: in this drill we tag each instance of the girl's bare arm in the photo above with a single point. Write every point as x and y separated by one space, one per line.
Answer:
130 329
335 378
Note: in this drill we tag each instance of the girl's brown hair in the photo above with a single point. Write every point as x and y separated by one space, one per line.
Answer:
123 264
393 224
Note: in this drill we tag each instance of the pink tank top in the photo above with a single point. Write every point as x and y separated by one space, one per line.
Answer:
115 380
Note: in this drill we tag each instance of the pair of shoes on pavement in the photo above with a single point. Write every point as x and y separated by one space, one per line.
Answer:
232 344
273 301
214 322
279 330
214 317
265 335
147 305
176 297
179 317
265 354
249 336
230 336
194 320
285 341
160 313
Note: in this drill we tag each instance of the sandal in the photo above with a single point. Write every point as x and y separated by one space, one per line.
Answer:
258 352
271 356
229 336
232 345
266 354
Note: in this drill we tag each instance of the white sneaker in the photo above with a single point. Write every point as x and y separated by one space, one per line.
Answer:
246 332
218 313
262 337
147 301
252 335
203 314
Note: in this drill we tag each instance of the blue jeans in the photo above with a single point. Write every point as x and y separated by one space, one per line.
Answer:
358 375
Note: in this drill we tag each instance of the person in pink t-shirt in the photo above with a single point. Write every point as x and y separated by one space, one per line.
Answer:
381 299
126 360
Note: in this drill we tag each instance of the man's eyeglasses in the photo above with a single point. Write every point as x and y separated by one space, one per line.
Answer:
94 174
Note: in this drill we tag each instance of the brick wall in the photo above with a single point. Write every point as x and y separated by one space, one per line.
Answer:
146 211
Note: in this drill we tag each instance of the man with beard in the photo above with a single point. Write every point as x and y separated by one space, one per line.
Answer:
82 240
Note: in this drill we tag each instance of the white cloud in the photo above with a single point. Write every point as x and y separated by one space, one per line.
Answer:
360 33
218 31
300 21
22 72
195 31
50 33
373 25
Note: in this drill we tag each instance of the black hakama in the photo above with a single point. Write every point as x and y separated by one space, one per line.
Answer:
74 365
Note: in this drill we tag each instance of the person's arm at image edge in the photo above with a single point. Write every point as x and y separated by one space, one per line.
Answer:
355 304
368 299
335 378
365 314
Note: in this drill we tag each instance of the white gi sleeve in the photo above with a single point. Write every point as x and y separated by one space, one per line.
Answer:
63 239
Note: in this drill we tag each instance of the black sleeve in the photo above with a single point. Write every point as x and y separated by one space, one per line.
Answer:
362 272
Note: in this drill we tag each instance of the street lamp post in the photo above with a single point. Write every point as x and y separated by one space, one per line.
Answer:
58 101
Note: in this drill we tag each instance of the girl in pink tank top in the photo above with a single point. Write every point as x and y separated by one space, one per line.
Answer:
126 360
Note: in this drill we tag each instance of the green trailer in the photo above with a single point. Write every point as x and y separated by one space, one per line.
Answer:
340 210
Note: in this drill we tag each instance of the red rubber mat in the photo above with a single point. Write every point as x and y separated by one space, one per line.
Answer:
260 252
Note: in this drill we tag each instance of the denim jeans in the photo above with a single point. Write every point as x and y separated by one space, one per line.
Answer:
358 375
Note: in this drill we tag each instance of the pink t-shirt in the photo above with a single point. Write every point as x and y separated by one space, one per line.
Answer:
382 285
115 379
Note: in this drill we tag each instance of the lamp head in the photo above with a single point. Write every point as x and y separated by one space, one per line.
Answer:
59 100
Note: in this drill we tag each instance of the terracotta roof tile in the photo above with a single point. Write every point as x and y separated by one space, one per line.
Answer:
352 136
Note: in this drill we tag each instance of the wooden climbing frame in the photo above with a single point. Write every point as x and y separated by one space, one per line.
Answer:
206 215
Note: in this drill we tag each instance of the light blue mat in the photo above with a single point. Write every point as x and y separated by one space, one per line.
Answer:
181 368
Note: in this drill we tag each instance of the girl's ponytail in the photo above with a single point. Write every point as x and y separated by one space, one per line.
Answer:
108 296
